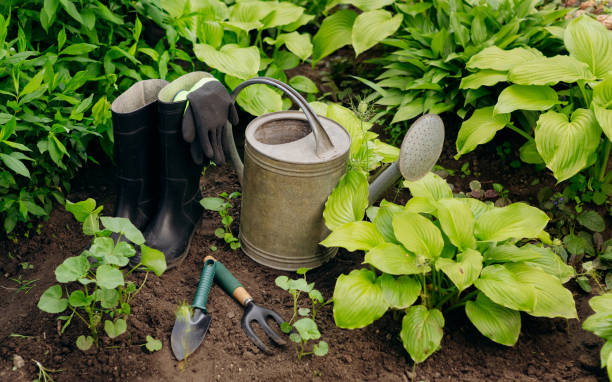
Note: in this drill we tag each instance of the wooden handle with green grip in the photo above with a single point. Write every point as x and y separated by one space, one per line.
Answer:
206 280
229 283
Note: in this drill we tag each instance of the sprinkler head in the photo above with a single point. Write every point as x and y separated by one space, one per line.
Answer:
421 147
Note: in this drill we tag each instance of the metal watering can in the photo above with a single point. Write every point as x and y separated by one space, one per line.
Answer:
292 162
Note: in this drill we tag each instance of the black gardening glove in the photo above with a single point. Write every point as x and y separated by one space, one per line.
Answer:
210 107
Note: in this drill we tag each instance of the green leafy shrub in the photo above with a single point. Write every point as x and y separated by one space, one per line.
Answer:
93 282
566 101
439 253
60 63
600 324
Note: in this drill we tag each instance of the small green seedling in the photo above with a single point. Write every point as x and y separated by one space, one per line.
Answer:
305 328
152 344
43 373
93 283
23 285
222 205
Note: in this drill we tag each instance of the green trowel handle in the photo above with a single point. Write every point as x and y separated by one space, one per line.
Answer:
206 280
229 283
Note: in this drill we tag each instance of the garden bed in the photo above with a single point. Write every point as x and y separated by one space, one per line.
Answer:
547 350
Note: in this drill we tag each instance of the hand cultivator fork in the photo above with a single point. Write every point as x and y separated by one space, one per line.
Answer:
252 312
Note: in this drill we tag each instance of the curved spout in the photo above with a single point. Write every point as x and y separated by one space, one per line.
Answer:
419 152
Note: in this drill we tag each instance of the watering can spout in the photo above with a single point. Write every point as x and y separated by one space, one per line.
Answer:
419 152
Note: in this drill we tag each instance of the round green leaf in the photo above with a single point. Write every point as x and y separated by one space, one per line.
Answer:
123 226
395 260
422 332
298 44
320 349
371 27
282 282
109 298
516 221
51 300
101 247
303 84
567 146
213 204
494 321
307 329
153 259
399 292
418 234
354 236
81 210
504 288
358 300
72 269
115 329
109 277
153 344
84 342
77 298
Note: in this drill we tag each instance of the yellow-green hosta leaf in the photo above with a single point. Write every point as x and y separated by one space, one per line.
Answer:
431 187
504 288
356 127
602 93
494 321
334 33
567 146
355 236
510 253
371 27
399 292
303 84
457 221
601 304
421 204
550 262
600 324
464 271
550 71
348 201
516 221
395 260
358 300
529 153
604 118
422 332
526 97
418 234
231 59
590 42
298 44
388 153
479 128
485 77
409 110
384 220
284 13
551 298
364 5
248 15
478 208
496 58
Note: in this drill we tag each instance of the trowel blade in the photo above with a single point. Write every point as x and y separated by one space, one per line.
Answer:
187 334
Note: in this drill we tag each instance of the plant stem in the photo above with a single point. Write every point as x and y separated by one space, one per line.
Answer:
604 159
139 288
521 132
81 317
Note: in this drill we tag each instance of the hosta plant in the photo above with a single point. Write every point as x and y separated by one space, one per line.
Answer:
440 253
600 324
92 285
560 104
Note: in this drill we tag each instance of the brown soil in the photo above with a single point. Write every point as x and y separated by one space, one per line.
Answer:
547 350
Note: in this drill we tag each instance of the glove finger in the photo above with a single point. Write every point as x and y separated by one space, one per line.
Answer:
233 115
188 127
205 142
214 141
196 153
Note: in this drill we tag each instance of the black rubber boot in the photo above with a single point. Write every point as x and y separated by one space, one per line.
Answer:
137 152
172 228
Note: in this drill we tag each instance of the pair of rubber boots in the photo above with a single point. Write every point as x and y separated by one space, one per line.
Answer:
158 181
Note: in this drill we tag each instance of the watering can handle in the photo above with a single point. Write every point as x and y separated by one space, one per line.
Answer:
322 141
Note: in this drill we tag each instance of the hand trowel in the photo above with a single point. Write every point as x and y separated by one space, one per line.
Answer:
191 325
